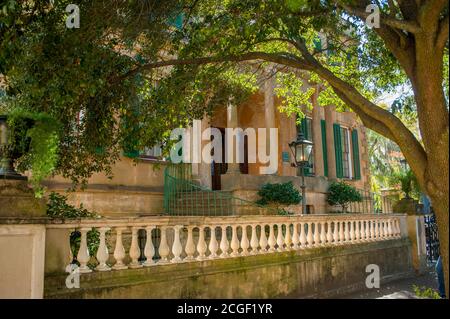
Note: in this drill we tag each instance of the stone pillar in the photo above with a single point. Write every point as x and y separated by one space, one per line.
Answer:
317 136
269 109
232 122
330 118
415 225
22 241
196 149
416 233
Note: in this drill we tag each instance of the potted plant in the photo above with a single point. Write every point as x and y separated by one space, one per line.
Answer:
14 143
28 142
342 194
279 195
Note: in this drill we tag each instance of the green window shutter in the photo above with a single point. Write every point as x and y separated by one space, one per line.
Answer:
356 162
324 147
304 128
338 150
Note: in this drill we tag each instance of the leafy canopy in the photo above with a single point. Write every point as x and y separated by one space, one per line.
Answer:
85 80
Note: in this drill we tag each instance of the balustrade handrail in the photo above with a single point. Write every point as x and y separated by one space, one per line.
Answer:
164 220
220 237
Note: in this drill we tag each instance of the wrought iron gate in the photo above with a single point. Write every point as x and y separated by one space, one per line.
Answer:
432 239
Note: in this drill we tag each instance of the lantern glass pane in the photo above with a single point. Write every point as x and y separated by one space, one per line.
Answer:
299 153
307 149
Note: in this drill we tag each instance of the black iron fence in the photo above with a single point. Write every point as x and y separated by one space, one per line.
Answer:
432 238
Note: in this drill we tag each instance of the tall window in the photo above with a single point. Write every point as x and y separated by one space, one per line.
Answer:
154 152
346 153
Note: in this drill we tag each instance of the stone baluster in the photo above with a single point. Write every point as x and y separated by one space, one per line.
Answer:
177 248
213 245
303 239
102 251
280 240
83 256
329 233
316 235
134 252
190 245
254 243
119 250
347 232
164 250
394 229
336 233
373 231
149 249
391 228
244 241
271 240
234 242
224 246
295 236
367 236
357 231
288 238
377 230
381 228
309 236
201 245
397 228
352 231
323 236
263 239
386 229
341 232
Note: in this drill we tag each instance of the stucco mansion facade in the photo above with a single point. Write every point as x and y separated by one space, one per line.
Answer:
339 153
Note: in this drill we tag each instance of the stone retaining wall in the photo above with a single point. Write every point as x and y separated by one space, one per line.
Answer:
318 272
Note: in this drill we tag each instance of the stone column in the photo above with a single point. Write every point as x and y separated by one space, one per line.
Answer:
269 109
195 136
22 241
330 118
317 136
415 225
232 122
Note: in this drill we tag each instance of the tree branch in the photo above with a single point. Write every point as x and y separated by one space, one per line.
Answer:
381 120
280 58
430 12
442 37
404 25
399 43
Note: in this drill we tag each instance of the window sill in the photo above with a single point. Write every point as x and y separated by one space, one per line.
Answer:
149 159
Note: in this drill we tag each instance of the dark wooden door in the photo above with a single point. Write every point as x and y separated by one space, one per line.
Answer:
217 169
243 167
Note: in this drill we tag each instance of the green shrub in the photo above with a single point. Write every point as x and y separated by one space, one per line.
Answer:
33 144
342 194
425 292
280 194
408 183
57 207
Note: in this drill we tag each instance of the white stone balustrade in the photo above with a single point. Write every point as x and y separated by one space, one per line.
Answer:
171 240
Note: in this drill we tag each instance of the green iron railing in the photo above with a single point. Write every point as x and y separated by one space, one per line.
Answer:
183 197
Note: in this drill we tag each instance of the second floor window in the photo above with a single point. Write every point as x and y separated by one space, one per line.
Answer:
346 153
154 152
